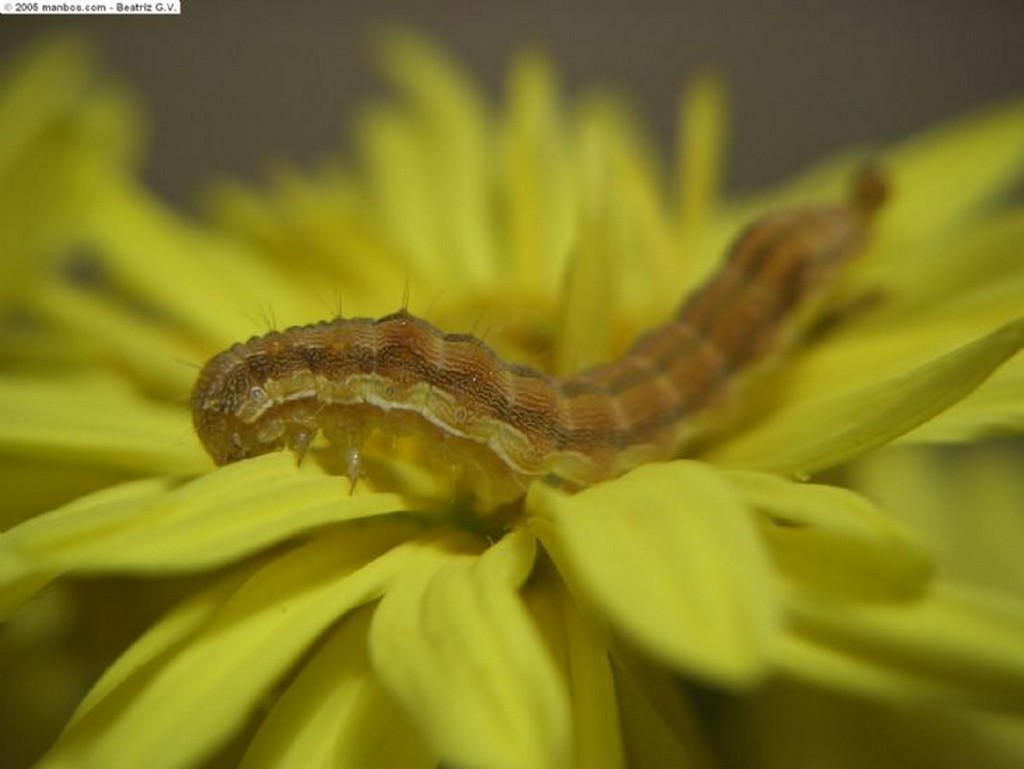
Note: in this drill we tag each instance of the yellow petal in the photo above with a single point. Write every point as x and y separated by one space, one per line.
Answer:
336 714
869 356
490 695
398 190
254 637
35 485
828 539
669 554
621 211
537 192
965 500
62 134
97 422
44 87
325 218
451 145
807 437
35 90
168 635
586 668
216 519
702 121
654 269
597 739
952 645
995 408
805 727
152 354
23 573
209 284
974 284
984 154
594 269
661 726
921 278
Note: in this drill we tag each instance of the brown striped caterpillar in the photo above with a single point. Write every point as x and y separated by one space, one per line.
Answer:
345 378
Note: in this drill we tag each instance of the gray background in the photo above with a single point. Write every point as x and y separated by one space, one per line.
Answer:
231 84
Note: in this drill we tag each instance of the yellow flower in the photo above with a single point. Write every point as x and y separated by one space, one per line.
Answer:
395 626
967 501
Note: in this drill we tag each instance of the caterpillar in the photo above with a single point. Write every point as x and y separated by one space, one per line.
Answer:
346 377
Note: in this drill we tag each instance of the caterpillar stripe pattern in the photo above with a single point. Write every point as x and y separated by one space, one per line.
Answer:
345 378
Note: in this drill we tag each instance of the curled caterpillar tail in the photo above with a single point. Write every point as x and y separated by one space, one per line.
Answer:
870 189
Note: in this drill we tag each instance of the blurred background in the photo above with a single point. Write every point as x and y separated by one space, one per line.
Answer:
234 84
